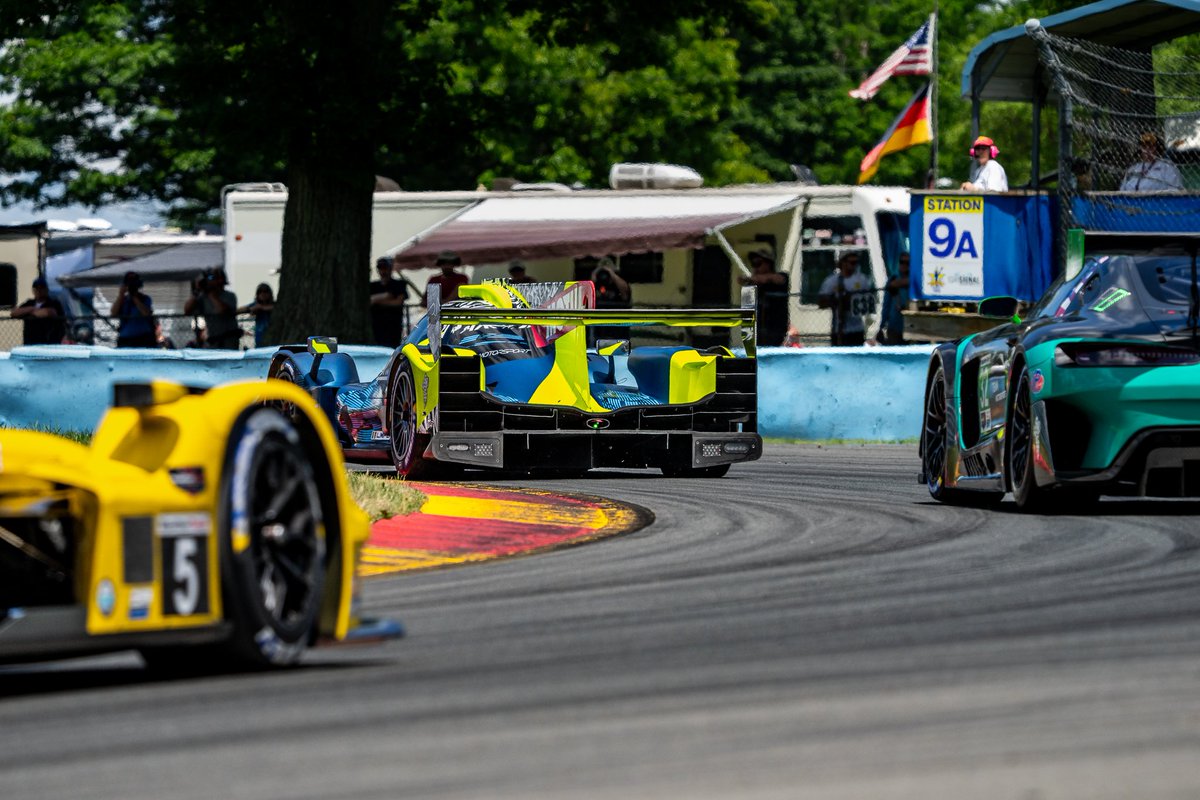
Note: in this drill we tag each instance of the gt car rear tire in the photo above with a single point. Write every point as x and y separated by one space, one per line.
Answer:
1021 476
407 445
272 541
935 444
715 471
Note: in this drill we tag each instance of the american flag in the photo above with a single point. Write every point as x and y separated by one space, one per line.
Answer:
914 57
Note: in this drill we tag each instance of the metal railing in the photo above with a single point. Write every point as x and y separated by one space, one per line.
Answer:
810 326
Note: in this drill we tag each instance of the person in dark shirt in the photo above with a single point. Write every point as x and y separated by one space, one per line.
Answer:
449 280
388 295
517 273
771 307
218 305
43 316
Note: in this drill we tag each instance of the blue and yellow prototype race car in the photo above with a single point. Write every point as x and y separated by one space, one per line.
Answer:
1096 391
206 528
505 378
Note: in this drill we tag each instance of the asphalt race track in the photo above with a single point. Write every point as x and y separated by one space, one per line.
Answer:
810 626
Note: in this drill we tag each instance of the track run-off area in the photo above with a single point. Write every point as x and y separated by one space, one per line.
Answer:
810 626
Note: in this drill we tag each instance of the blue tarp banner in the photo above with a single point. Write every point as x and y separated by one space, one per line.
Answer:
969 246
1133 212
67 263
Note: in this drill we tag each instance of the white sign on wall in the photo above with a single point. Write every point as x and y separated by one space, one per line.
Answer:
952 261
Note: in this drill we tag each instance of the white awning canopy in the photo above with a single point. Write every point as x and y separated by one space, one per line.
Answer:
583 224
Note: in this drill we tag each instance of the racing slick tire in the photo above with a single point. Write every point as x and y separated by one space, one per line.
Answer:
1019 458
407 446
272 542
715 471
286 370
935 443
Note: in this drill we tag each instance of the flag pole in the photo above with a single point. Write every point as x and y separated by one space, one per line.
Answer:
933 97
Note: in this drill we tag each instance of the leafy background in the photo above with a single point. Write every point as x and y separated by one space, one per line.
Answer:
160 100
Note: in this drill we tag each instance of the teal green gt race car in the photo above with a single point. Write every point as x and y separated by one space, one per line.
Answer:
1096 392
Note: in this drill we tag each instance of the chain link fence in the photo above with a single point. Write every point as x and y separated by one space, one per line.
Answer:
809 325
1130 146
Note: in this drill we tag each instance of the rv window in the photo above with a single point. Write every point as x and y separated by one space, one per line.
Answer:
846 229
8 285
820 262
634 267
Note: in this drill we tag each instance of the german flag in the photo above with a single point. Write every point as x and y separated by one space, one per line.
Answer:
909 129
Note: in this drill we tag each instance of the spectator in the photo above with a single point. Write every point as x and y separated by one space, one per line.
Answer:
772 297
850 295
612 291
986 173
261 308
388 296
1152 173
43 316
895 300
517 274
449 280
218 306
136 314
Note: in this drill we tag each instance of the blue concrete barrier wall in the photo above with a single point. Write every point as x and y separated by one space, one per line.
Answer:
69 387
871 393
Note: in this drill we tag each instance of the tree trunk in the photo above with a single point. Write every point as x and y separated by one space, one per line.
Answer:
326 258
333 58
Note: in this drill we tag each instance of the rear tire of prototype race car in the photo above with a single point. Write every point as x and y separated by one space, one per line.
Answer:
288 372
715 471
935 443
407 445
1021 477
272 541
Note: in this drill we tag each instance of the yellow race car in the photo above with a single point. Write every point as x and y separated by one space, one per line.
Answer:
205 528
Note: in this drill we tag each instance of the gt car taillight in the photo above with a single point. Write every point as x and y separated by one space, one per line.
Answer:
1090 354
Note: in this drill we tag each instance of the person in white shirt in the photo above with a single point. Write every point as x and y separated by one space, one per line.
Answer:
850 295
1152 173
986 173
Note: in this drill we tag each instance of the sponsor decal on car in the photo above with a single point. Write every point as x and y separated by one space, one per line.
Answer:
140 600
1037 381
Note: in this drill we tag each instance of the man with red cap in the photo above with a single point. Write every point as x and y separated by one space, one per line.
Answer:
986 173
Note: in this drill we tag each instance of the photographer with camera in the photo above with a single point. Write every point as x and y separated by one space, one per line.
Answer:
218 306
612 291
135 312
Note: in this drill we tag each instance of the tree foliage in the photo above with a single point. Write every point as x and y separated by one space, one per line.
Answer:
170 101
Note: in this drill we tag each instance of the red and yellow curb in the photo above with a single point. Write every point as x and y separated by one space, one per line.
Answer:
460 524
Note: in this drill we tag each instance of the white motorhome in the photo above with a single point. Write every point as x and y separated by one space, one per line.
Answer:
676 247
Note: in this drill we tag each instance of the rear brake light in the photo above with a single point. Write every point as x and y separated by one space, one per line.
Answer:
1080 354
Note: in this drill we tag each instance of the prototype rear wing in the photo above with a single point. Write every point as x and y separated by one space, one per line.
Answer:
742 318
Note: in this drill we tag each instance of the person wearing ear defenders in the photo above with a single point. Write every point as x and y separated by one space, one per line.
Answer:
986 173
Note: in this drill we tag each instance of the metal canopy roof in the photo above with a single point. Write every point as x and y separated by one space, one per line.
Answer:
180 262
1002 66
